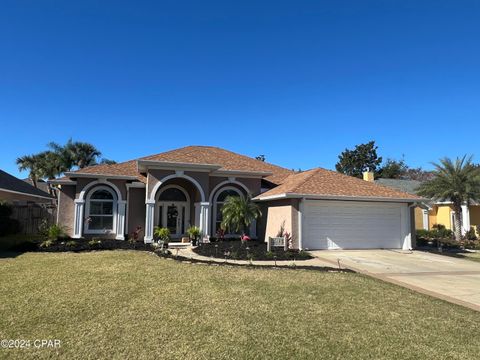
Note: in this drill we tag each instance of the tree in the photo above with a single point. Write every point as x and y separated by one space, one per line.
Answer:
107 162
260 157
238 213
456 181
30 163
393 169
354 162
83 154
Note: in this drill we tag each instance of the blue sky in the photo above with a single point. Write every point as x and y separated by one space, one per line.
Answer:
298 81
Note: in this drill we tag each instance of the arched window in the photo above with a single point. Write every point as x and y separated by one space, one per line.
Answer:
219 200
101 208
172 194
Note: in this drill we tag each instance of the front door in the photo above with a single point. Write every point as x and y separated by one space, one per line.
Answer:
172 215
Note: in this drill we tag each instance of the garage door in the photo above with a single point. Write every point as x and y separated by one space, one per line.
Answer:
351 225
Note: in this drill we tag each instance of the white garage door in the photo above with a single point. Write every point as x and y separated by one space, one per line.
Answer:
352 225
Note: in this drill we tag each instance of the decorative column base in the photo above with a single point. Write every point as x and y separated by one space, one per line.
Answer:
149 220
78 219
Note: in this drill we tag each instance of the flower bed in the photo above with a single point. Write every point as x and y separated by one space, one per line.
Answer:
249 250
82 245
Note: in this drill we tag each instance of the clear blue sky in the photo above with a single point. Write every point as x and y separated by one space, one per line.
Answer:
298 81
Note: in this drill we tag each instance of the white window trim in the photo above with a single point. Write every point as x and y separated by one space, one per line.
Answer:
215 205
114 211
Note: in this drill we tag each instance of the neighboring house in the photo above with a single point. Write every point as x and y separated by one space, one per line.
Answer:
435 212
16 190
322 209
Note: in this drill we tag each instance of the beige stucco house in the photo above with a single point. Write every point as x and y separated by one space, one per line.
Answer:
322 209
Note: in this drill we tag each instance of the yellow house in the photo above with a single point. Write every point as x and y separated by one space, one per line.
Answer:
433 213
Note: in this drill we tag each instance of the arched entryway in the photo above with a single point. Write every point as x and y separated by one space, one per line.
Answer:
173 210
177 201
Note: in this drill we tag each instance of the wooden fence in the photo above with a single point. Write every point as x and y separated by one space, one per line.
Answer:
31 215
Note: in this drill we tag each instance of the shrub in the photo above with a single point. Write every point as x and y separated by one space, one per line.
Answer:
471 235
194 232
71 243
46 244
55 232
162 234
94 242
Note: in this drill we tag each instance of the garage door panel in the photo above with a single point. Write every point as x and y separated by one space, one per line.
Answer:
351 225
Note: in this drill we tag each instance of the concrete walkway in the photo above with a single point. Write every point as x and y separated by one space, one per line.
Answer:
447 278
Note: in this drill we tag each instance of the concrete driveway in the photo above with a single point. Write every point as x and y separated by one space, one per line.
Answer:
447 278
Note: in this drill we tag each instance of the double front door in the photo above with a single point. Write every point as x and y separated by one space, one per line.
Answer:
174 216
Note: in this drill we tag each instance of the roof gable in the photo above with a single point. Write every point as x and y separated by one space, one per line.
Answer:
227 160
322 182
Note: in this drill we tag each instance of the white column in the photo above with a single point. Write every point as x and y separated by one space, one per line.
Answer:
425 220
149 220
78 219
205 218
122 204
406 230
465 219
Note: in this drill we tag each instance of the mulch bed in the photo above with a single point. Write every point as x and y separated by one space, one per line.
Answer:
77 245
250 250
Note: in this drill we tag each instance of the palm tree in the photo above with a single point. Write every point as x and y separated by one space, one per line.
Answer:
456 181
82 153
238 213
30 163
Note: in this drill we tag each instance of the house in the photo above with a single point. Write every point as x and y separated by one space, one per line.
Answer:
16 190
436 212
322 209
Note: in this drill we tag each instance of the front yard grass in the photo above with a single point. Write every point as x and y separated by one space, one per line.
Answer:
128 304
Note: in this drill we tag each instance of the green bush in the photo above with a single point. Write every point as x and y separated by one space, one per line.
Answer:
94 242
71 243
162 234
47 243
471 235
438 232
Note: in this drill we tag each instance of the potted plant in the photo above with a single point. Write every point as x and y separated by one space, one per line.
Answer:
162 235
194 233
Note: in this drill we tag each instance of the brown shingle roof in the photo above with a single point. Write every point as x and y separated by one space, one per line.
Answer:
195 155
322 182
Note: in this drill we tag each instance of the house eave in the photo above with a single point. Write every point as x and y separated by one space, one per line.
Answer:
337 197
27 194
99 176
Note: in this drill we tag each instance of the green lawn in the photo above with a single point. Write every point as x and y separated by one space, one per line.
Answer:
126 304
470 256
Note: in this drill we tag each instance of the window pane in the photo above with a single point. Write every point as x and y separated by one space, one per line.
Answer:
225 193
108 222
173 194
102 194
95 223
219 212
95 208
107 208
